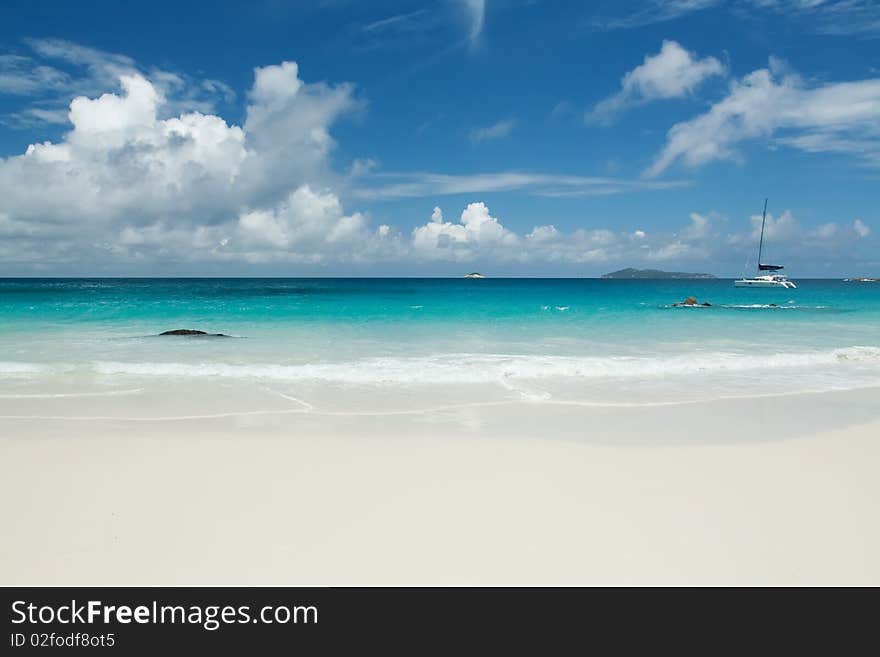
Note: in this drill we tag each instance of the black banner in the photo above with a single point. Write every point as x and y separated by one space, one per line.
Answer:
153 621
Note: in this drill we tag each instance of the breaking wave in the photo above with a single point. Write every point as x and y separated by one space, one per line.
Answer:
495 368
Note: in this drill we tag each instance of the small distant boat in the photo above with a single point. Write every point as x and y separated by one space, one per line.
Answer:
772 279
474 274
862 279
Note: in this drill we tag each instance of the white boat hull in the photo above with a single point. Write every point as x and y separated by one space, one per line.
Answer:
765 282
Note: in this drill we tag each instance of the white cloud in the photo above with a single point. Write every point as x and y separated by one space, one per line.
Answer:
480 237
775 228
307 226
494 131
861 228
839 17
654 11
699 227
543 233
394 185
124 181
274 86
55 70
673 250
304 218
840 117
120 162
827 231
405 22
127 186
130 186
477 231
671 73
20 75
476 17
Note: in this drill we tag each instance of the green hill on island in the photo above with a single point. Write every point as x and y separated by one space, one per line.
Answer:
652 273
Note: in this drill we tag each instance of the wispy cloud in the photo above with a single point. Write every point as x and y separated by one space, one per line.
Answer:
404 22
773 104
20 75
476 16
396 185
54 71
494 131
654 11
840 17
442 27
671 73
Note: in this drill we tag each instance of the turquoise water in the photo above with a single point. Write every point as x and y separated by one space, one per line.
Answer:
587 334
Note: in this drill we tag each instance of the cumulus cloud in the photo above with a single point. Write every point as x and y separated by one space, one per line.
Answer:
130 185
306 227
124 180
672 73
699 227
702 242
480 236
788 240
775 228
861 228
476 232
827 231
773 104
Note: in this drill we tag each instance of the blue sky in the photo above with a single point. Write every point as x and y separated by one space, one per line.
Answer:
515 137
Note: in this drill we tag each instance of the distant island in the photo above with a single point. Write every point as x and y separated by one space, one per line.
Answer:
474 274
652 273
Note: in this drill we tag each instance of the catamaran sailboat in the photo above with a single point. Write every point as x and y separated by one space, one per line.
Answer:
773 278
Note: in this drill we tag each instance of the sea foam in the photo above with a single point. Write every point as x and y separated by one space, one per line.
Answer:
494 368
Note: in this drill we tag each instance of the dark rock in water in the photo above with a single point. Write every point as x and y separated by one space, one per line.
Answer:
193 332
690 301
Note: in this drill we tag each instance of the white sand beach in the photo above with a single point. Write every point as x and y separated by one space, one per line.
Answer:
203 489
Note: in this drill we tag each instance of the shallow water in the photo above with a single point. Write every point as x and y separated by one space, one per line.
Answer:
605 341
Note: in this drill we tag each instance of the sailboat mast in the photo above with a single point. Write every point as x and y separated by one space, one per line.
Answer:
761 242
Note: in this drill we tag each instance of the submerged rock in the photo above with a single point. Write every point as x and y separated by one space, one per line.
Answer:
194 332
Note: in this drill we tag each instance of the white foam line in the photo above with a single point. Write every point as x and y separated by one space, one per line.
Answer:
490 368
436 409
59 395
301 402
216 416
160 418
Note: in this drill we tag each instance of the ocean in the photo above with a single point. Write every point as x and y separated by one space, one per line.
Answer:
348 342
